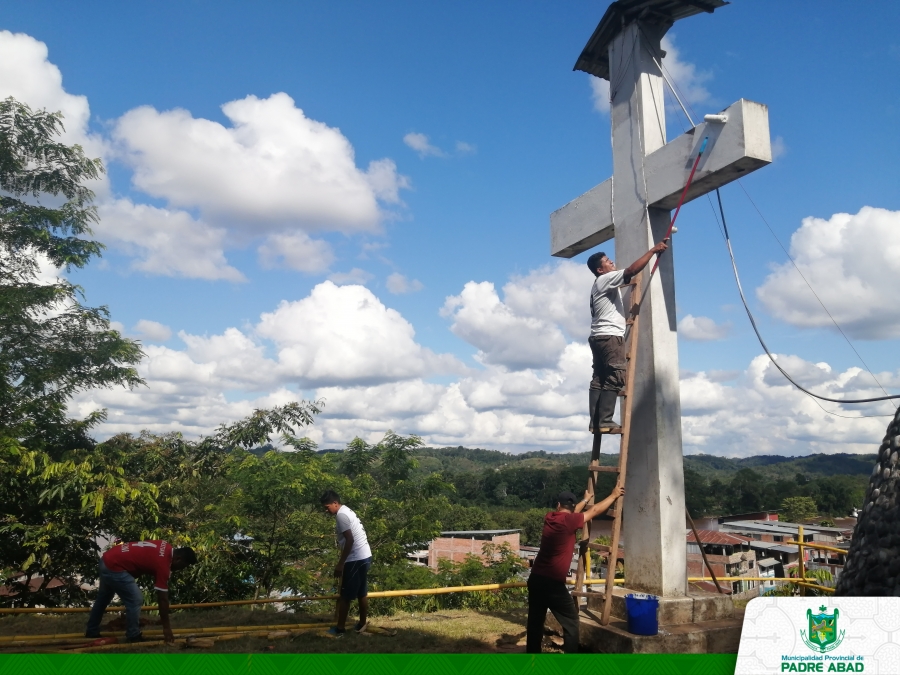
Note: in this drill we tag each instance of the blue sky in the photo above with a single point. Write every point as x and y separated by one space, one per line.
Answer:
478 128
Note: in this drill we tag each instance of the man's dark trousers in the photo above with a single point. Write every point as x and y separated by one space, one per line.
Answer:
543 594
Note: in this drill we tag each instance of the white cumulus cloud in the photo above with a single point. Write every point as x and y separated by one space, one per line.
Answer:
343 345
599 93
296 251
355 276
272 166
165 242
398 284
153 331
344 334
503 336
690 82
559 293
421 144
27 75
851 260
702 329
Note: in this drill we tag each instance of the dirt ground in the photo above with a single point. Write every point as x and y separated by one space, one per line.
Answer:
450 631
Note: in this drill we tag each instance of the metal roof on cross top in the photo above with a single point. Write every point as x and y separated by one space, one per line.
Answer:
594 58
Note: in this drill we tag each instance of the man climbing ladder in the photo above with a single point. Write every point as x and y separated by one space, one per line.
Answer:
607 338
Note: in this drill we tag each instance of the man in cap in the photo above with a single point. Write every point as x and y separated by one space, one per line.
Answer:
547 582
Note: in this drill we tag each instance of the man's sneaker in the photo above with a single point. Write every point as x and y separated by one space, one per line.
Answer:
361 626
335 632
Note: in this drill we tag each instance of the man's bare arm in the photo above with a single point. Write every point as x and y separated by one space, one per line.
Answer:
345 553
639 264
603 507
162 599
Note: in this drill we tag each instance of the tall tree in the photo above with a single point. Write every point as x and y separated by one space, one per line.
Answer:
52 488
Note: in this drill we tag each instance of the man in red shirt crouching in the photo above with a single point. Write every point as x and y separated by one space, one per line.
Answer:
547 582
118 568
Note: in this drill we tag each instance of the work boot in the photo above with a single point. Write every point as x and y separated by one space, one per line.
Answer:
606 409
594 407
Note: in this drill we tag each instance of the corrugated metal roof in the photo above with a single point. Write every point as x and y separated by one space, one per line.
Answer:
594 57
768 562
717 538
785 549
769 527
781 526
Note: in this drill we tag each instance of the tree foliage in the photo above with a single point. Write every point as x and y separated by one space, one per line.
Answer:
54 489
798 509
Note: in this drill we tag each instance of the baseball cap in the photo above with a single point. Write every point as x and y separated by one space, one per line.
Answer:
566 499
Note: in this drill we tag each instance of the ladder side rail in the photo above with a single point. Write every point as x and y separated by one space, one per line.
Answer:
631 356
586 530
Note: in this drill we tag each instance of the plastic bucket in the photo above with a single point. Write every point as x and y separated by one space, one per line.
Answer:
641 609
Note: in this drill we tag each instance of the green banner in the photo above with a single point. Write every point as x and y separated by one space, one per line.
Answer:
366 664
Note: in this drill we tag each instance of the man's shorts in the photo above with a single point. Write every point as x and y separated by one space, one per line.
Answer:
354 582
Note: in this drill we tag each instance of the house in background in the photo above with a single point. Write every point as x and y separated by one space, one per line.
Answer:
769 567
456 545
729 555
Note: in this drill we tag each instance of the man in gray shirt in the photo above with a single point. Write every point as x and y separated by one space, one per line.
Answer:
608 332
353 565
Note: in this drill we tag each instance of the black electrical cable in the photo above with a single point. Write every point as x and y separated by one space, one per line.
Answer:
670 82
760 338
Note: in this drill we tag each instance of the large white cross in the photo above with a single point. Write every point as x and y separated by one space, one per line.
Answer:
634 206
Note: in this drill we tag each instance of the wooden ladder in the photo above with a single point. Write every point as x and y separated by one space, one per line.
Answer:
586 545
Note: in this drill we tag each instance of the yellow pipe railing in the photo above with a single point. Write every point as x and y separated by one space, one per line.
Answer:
413 592
819 547
292 598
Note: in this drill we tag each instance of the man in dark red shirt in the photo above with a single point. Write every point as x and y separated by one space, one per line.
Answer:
547 582
118 568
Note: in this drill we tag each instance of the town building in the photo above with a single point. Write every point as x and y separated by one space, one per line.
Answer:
456 545
728 555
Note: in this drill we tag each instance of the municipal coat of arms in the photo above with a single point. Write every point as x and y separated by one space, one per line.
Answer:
822 634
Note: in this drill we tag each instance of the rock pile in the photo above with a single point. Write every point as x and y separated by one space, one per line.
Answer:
873 563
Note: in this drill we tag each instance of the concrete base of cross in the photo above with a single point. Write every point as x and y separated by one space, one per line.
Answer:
687 609
694 624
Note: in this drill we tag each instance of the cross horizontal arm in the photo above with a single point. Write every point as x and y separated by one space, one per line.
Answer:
737 147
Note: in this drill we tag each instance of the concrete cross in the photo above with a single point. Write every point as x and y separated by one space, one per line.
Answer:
634 206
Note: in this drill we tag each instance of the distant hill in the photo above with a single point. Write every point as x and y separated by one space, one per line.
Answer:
475 460
777 466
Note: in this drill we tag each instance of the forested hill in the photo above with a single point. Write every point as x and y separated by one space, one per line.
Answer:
489 480
465 460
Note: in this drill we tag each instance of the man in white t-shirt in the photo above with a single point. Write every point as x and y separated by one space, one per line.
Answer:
608 333
353 565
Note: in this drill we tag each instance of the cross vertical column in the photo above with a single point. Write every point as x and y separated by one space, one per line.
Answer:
653 521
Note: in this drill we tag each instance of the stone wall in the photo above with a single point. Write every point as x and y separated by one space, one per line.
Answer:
873 563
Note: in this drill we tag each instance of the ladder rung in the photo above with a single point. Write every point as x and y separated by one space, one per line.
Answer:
603 469
612 512
602 548
612 431
584 594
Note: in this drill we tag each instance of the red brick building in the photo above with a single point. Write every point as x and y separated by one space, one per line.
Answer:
455 546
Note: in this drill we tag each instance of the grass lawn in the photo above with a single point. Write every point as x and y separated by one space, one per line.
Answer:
443 632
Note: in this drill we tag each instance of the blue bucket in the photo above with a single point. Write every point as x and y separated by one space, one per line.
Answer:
640 609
